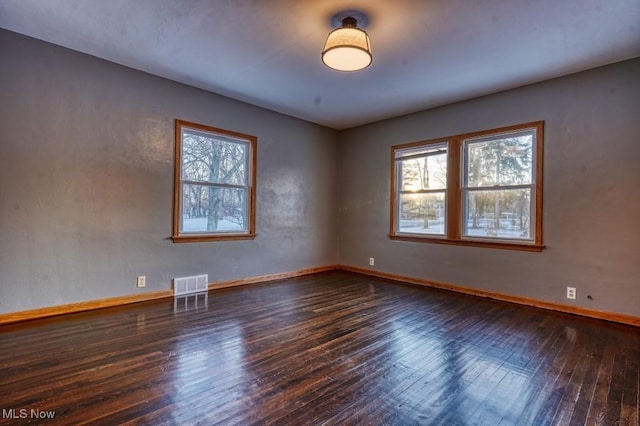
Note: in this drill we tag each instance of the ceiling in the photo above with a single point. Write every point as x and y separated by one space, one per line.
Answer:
426 53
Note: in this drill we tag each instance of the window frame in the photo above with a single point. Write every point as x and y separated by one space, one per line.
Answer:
455 191
184 237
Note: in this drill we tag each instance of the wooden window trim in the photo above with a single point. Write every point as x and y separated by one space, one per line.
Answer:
454 203
176 236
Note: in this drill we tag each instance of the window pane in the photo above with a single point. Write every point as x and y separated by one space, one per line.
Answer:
211 158
422 213
504 161
429 172
213 209
499 214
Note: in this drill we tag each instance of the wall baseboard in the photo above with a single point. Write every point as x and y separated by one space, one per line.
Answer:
576 310
89 305
270 277
14 317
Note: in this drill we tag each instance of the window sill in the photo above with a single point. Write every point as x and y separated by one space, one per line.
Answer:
472 243
200 238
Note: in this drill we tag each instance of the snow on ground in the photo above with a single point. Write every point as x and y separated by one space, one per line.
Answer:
436 227
199 224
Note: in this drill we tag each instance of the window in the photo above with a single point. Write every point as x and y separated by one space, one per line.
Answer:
481 189
214 190
422 177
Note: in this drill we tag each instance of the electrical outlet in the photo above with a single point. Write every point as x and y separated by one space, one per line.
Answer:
142 281
372 261
571 292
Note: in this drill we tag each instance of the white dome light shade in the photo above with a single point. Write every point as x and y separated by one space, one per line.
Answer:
347 48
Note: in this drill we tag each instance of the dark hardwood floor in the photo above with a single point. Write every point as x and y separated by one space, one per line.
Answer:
330 348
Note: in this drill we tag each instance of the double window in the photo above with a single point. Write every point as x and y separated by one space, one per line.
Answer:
482 189
214 192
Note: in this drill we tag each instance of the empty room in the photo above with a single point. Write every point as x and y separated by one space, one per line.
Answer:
320 212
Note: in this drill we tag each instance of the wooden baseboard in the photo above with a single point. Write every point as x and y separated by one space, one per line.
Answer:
592 313
270 277
82 306
13 317
31 314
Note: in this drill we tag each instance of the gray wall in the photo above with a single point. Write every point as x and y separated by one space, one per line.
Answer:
591 192
86 181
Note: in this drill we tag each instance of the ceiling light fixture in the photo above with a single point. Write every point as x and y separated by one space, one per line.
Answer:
347 48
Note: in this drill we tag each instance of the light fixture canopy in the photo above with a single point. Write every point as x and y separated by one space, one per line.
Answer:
348 47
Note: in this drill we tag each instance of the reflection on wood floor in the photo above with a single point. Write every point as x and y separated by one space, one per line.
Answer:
330 348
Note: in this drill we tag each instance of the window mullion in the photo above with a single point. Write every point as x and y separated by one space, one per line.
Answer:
453 201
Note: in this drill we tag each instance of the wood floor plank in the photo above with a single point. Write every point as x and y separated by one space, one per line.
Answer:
329 348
